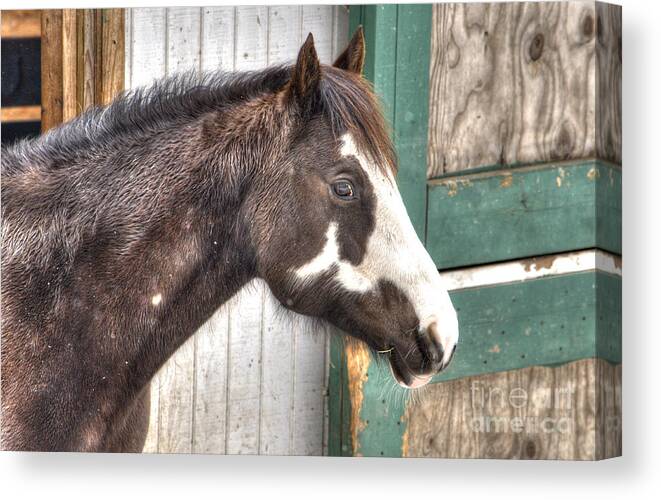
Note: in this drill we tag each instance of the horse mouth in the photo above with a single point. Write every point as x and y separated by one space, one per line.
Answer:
403 375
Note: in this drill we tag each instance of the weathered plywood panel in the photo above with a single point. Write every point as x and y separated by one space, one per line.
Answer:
570 412
609 81
253 379
516 83
514 213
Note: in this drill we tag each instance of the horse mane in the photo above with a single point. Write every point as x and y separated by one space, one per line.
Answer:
346 99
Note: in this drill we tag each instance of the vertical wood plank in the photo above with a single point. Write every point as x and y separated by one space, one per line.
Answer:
183 35
210 402
87 64
317 19
112 54
69 64
309 381
148 46
251 38
128 47
341 32
151 442
608 74
51 69
244 364
217 44
284 33
277 379
411 116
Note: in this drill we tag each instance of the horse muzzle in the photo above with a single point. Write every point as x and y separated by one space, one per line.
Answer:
431 354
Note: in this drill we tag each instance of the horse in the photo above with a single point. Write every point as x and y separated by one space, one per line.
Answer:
124 229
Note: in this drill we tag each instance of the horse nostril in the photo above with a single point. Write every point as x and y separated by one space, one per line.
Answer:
431 347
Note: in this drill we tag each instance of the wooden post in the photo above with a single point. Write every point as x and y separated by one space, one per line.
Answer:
82 61
51 69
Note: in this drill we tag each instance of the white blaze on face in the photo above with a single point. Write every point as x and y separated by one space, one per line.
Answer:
394 253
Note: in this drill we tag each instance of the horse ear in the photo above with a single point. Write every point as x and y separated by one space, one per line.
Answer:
306 73
353 57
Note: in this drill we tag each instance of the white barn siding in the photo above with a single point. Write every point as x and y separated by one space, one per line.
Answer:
253 378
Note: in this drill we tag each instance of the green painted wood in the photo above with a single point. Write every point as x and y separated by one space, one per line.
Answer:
524 212
381 413
336 379
397 41
544 321
412 108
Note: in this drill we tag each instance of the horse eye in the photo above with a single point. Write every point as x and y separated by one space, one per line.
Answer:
343 189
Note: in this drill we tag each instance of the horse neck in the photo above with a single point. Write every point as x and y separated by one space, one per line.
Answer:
191 261
164 254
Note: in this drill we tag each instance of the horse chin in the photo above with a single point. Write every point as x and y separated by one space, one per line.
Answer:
405 378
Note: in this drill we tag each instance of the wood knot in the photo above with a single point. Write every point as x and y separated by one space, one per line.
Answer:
588 26
536 47
531 449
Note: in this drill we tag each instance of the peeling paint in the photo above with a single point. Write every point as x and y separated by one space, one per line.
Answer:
593 174
495 349
452 188
405 436
531 268
506 181
539 263
358 361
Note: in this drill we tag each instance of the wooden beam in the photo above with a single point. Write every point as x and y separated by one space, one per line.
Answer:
515 83
544 321
21 23
20 113
513 213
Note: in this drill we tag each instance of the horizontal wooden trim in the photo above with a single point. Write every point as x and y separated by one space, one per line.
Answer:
532 268
544 321
21 23
20 114
517 213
